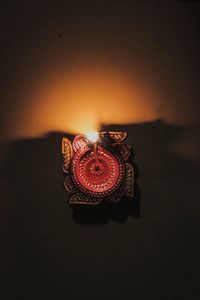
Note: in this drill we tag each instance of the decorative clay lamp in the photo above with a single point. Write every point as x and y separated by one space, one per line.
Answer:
97 167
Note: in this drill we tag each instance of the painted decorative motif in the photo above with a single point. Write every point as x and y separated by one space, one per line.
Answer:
97 170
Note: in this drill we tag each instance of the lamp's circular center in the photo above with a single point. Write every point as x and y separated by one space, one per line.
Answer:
96 172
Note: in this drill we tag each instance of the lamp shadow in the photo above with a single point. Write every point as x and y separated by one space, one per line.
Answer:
103 212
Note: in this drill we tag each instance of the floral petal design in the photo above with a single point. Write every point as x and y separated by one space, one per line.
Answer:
67 153
79 141
69 184
83 199
129 180
118 136
125 151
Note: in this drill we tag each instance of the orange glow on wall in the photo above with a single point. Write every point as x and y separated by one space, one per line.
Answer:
80 100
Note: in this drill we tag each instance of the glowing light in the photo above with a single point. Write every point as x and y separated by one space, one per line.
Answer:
92 136
79 100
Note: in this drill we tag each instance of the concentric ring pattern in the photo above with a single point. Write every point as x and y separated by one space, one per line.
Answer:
97 173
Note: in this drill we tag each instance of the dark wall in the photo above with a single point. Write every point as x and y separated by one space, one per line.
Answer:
147 248
144 249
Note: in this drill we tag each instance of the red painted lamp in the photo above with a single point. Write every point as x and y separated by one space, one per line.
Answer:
97 167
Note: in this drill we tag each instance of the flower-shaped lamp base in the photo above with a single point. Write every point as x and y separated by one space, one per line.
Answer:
97 171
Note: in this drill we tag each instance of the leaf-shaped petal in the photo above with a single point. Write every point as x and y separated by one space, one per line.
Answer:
118 136
125 151
69 184
67 153
83 199
79 141
129 180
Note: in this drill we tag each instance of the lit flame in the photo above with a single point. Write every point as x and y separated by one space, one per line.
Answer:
92 136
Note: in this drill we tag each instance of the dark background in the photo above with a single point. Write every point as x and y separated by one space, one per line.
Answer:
145 249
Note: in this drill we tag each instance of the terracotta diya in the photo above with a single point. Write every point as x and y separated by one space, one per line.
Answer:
97 167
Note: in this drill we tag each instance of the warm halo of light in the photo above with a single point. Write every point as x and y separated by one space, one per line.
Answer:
92 136
79 100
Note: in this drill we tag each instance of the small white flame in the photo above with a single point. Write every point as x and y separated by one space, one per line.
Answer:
92 136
